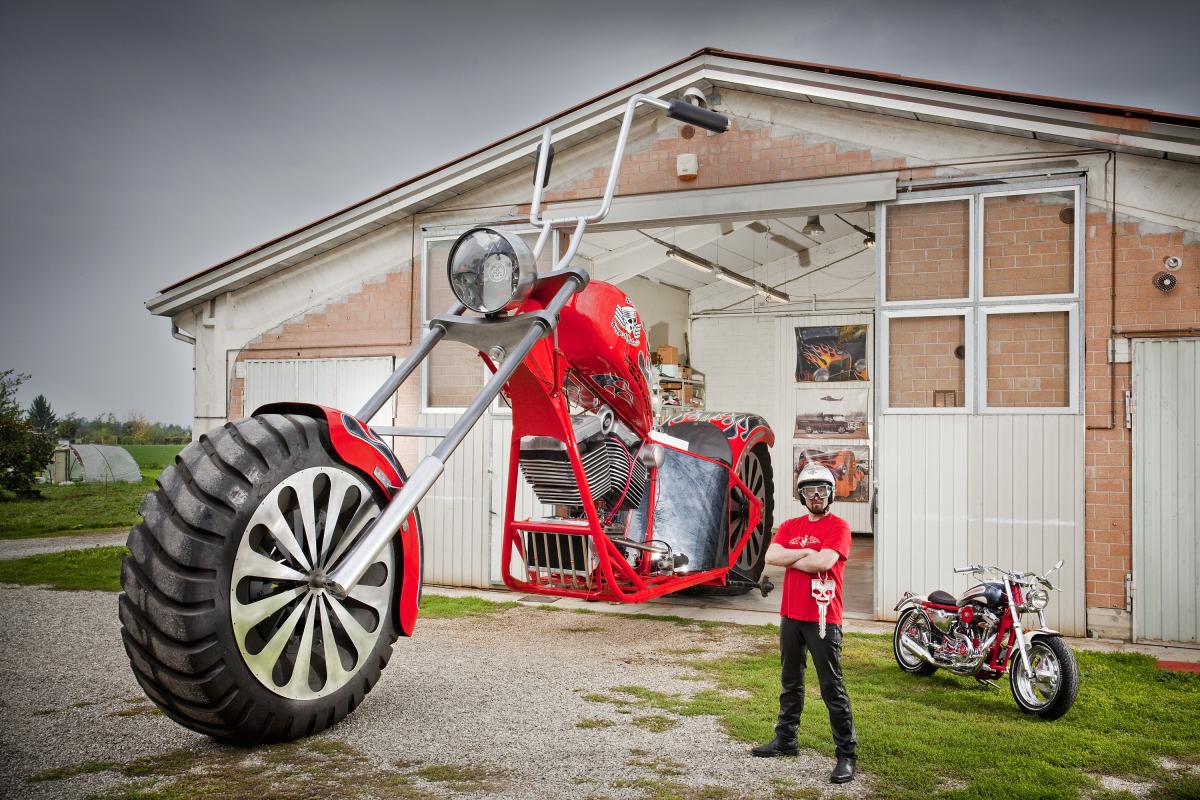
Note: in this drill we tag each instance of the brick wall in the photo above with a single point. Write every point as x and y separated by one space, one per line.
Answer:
377 320
745 154
1140 249
1027 360
922 362
1028 244
928 251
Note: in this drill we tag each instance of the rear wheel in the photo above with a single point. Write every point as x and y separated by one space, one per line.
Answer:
1050 691
754 470
914 626
223 614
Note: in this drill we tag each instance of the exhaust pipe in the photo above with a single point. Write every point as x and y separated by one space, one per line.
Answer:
917 650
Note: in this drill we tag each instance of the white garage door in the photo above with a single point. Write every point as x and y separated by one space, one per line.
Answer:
343 383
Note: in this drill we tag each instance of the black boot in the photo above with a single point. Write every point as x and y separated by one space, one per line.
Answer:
844 771
776 747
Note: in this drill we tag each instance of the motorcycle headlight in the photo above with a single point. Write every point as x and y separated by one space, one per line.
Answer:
491 271
1037 599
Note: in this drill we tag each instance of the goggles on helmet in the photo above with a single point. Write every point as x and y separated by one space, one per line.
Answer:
809 492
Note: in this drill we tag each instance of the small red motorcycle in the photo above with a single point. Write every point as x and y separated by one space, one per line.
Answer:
280 557
980 635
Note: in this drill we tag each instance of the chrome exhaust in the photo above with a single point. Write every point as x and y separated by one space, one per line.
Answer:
917 650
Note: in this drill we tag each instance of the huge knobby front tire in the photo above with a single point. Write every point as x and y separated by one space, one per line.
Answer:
226 626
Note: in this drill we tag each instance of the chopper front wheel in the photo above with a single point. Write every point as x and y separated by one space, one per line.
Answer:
224 616
1050 691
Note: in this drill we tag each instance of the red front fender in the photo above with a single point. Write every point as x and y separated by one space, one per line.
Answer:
360 449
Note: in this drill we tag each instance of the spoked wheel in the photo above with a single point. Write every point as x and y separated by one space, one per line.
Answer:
223 611
754 470
912 625
1050 691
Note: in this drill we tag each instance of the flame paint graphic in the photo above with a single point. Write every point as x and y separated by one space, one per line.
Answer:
822 356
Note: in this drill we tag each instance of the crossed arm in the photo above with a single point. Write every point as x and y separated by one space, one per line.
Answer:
804 559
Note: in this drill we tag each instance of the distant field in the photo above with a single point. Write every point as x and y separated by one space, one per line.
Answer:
153 456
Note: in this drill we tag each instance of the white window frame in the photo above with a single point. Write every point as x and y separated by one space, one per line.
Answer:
980 307
881 248
884 374
450 233
1072 310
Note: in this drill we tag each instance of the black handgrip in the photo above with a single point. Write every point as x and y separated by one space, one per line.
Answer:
701 117
549 165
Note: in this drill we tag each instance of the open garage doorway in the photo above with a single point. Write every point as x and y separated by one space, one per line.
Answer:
771 314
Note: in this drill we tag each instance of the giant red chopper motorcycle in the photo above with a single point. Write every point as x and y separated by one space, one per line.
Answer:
280 557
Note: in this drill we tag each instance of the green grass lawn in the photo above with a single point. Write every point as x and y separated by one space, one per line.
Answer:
153 456
75 508
935 737
81 507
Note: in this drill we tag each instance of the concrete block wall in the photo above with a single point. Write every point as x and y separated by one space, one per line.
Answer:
1028 359
928 250
921 362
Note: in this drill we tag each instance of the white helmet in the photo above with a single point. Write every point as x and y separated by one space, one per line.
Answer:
814 474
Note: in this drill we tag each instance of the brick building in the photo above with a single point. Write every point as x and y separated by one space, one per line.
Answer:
1028 382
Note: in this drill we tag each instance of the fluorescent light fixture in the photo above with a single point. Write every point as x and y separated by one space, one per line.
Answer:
736 279
691 260
774 294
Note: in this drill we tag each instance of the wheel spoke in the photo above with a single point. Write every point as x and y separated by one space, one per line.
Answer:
282 533
361 637
333 511
335 673
246 616
365 515
253 564
374 596
266 658
308 516
300 672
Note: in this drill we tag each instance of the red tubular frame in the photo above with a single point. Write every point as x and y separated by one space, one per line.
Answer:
540 409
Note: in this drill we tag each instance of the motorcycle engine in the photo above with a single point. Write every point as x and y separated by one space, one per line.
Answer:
964 634
608 449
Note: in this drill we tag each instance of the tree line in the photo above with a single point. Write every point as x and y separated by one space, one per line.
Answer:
28 436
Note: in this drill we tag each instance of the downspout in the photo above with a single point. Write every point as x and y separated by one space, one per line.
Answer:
182 335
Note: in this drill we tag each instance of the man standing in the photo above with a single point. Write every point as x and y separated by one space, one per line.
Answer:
814 549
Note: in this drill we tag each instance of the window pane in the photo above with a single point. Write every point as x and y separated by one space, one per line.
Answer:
926 358
456 373
928 251
1028 357
1029 244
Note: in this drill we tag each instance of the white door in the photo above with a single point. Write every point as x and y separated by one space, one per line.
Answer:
1166 477
342 383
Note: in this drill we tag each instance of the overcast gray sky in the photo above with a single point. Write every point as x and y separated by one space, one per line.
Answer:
142 141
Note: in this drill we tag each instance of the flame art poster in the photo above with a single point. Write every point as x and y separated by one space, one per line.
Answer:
831 353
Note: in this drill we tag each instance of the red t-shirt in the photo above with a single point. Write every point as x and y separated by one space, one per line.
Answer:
828 533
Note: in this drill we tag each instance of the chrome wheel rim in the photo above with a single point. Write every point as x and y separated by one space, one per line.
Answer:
913 628
298 640
751 473
1040 689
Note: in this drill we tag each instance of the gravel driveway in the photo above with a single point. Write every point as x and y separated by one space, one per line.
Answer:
471 707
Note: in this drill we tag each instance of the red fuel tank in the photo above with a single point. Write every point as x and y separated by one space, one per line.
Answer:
600 334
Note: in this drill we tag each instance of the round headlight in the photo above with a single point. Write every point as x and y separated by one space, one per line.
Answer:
1037 599
491 271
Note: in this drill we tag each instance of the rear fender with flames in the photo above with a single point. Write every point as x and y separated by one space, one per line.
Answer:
356 446
743 431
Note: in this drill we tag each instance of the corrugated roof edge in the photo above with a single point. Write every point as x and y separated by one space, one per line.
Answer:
887 77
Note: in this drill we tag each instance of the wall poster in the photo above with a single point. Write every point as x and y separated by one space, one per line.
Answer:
850 466
831 353
832 413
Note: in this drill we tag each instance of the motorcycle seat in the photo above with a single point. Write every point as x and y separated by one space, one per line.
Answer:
942 598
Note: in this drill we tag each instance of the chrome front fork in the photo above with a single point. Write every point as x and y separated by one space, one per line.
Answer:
1016 615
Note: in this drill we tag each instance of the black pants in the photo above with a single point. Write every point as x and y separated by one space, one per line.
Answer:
796 639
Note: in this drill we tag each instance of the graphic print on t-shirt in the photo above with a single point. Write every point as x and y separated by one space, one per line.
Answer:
830 532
